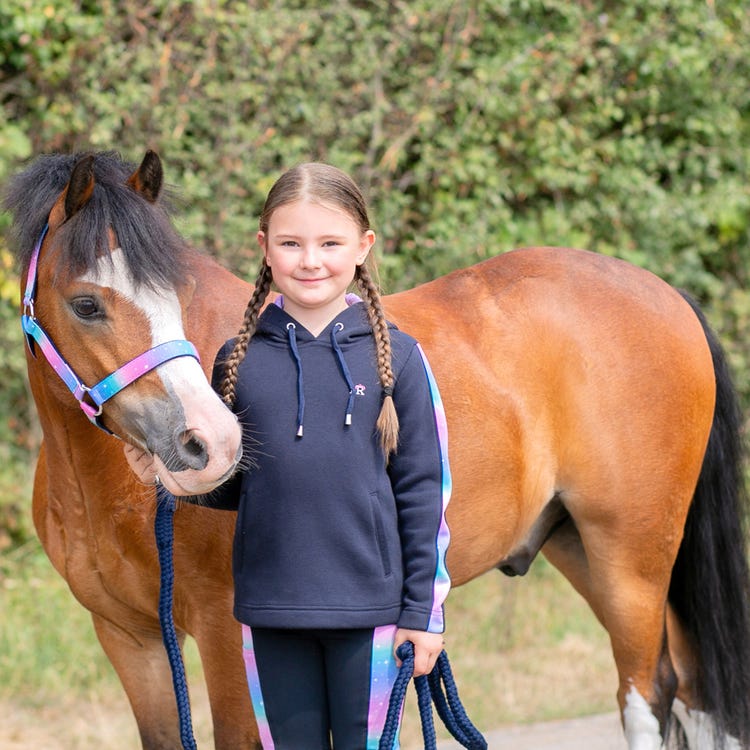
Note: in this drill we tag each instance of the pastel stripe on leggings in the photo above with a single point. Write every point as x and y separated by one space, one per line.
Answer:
383 672
256 695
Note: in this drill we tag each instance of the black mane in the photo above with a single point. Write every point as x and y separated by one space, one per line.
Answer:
154 251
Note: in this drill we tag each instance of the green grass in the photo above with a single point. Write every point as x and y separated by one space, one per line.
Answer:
16 481
528 648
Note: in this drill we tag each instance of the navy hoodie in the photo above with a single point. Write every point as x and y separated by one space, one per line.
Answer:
328 535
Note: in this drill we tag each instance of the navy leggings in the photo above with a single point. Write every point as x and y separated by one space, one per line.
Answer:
320 689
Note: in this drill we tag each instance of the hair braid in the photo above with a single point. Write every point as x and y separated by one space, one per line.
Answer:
231 366
387 423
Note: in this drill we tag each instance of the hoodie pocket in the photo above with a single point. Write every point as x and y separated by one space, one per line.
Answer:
380 535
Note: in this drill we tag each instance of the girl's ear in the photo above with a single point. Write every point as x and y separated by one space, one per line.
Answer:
261 237
365 245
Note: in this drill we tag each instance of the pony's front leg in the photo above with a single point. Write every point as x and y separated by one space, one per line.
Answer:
141 662
219 640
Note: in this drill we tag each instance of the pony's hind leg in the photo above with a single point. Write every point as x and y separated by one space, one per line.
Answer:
631 609
141 663
632 592
699 728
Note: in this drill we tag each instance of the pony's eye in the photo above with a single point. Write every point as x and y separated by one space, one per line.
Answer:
85 307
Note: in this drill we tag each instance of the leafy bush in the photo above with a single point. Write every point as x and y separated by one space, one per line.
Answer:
473 127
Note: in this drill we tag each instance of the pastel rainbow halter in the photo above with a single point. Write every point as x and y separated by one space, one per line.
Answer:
91 399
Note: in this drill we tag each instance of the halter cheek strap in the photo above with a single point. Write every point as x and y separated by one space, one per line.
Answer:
112 384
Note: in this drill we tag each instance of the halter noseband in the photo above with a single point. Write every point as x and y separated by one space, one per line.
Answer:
112 384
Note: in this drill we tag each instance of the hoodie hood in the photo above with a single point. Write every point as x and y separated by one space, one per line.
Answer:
353 321
345 331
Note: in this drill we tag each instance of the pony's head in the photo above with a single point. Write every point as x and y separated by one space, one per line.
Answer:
111 283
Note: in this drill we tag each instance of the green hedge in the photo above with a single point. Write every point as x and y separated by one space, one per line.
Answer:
474 126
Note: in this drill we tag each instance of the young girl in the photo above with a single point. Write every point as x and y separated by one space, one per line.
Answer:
339 552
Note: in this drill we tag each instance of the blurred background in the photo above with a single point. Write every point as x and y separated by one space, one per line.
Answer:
474 127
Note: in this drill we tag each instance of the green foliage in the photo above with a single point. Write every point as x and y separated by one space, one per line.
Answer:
474 127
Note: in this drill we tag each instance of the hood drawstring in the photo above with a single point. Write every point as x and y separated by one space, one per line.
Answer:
292 332
344 371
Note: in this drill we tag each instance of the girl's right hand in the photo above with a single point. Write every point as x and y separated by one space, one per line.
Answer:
427 648
142 464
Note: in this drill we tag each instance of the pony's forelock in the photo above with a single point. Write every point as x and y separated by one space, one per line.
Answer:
153 249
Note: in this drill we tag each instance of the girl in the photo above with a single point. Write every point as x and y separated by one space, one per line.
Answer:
339 552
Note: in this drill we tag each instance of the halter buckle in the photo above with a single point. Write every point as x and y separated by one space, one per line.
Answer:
88 409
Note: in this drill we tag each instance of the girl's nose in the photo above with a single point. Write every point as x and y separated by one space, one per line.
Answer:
310 258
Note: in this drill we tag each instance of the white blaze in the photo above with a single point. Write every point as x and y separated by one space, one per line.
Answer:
161 307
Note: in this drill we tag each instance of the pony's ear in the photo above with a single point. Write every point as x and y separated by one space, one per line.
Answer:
80 186
147 179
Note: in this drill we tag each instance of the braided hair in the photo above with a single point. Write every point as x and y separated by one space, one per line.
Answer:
324 184
252 311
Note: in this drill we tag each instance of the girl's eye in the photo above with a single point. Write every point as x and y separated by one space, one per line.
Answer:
86 308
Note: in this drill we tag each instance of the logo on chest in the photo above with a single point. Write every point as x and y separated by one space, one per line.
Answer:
359 389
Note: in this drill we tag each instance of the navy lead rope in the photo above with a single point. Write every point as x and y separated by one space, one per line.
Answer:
164 530
447 704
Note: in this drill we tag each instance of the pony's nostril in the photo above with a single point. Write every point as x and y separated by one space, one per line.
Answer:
193 450
193 445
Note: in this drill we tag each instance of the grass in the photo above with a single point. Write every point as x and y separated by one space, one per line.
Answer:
521 650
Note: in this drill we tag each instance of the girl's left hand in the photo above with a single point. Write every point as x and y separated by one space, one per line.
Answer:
427 648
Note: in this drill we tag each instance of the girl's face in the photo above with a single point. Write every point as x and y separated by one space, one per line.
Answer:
313 251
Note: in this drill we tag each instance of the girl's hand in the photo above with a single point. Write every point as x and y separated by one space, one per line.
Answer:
427 648
142 463
145 467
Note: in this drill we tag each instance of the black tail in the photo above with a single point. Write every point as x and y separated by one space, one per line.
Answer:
710 587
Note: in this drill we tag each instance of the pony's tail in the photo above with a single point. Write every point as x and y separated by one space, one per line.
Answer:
710 586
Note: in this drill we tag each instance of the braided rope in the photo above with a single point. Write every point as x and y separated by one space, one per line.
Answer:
398 693
449 707
164 531
448 704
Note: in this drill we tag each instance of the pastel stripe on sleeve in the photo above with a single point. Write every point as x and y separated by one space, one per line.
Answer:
442 581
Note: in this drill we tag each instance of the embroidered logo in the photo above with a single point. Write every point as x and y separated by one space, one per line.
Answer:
359 390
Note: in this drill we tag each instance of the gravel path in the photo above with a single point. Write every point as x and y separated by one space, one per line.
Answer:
95 726
602 732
